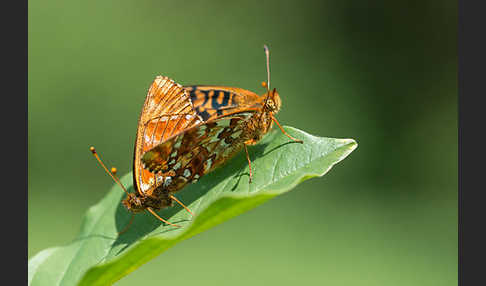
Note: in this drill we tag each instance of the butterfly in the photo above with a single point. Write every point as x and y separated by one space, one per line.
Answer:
185 132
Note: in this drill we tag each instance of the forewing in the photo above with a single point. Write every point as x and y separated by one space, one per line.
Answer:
211 102
195 152
167 110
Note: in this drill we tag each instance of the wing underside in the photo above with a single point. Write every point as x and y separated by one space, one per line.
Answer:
190 155
186 132
167 110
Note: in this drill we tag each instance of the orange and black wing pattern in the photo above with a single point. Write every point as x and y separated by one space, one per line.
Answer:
167 110
196 151
211 102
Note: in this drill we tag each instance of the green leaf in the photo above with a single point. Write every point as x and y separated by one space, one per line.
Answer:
99 256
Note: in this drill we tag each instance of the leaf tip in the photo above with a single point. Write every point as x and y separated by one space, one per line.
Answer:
348 141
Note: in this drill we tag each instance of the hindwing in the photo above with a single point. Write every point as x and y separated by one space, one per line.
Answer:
186 157
167 111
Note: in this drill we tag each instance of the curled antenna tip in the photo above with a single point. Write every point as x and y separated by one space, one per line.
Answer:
113 170
92 149
264 84
265 47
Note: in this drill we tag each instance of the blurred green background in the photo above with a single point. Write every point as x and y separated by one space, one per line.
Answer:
381 72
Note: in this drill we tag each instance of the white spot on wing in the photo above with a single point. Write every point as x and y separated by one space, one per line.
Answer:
147 138
144 187
187 173
177 145
167 181
209 163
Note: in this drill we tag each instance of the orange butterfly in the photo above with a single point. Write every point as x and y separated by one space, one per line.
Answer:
186 132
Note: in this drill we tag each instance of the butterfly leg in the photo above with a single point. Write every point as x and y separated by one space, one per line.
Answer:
179 202
249 161
161 219
286 134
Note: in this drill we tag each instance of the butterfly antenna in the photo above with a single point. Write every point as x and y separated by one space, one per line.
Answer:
267 54
113 170
267 84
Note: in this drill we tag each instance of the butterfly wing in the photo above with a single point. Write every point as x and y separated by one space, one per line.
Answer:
167 110
196 151
211 102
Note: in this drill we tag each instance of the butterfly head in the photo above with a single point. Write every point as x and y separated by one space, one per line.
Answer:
272 102
133 203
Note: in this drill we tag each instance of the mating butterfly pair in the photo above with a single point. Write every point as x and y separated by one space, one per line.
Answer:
186 132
